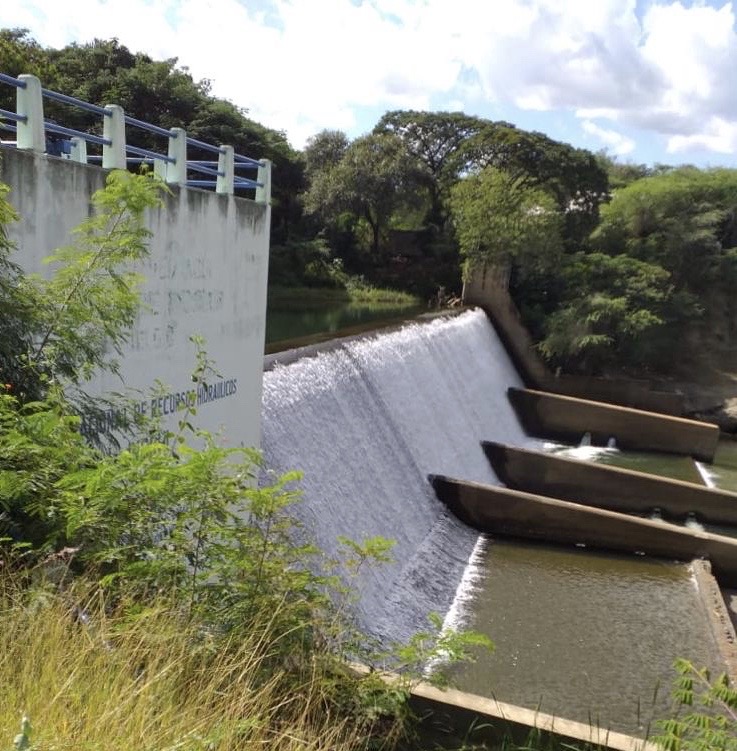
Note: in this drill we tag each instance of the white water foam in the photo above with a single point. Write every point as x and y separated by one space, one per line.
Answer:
367 423
708 477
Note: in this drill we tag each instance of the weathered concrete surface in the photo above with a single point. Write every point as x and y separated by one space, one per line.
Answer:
493 721
487 288
206 274
730 600
503 511
566 418
717 612
608 487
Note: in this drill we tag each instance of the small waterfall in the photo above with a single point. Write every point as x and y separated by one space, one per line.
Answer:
611 443
707 476
366 423
585 440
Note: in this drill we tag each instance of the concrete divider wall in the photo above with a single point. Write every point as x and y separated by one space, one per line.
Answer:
509 512
567 418
487 288
206 274
608 487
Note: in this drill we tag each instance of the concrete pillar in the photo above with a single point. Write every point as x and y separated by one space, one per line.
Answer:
263 195
78 152
160 169
176 172
29 102
226 163
113 128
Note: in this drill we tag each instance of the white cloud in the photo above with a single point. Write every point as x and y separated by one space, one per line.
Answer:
617 143
717 135
668 71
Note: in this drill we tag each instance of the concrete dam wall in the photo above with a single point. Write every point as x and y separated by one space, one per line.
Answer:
206 274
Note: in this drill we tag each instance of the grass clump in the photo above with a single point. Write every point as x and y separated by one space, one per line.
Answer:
136 677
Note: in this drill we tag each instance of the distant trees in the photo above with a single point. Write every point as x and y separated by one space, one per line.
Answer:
159 92
664 263
501 220
371 177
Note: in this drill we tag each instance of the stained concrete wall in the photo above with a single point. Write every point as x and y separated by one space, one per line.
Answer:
487 288
509 512
608 487
206 274
566 418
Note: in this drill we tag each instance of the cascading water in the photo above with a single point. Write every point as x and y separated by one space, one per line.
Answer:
366 424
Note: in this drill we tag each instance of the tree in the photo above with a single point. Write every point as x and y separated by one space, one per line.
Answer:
324 151
435 140
685 220
500 220
370 180
614 312
573 176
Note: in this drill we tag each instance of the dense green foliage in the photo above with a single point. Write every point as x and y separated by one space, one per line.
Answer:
705 713
500 220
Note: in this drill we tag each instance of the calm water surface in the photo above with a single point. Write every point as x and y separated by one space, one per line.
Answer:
584 635
295 319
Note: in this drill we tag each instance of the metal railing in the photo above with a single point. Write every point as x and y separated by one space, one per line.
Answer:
34 133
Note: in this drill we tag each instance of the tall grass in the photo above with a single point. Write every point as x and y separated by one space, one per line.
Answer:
126 680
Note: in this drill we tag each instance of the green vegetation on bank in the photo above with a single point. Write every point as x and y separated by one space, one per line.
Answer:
360 292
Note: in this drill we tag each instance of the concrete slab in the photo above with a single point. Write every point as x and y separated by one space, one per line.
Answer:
565 418
503 511
608 487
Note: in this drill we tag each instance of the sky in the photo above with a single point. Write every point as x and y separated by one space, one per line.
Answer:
648 80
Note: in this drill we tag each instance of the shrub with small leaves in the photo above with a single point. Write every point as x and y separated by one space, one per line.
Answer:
705 713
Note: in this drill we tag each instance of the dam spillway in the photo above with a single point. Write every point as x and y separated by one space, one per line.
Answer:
366 423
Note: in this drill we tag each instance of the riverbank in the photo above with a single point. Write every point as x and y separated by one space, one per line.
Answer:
354 292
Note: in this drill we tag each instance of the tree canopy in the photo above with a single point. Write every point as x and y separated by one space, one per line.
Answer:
499 219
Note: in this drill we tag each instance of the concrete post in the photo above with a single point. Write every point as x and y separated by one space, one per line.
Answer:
263 195
113 128
29 102
160 169
226 164
79 150
176 172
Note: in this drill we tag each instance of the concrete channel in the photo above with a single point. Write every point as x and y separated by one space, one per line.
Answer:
513 513
566 418
608 487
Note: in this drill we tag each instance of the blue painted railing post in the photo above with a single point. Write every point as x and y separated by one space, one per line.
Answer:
113 129
176 171
263 194
226 165
78 151
29 102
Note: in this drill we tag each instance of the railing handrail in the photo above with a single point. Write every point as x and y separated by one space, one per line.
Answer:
5 78
31 129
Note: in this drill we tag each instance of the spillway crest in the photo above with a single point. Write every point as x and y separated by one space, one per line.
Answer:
366 423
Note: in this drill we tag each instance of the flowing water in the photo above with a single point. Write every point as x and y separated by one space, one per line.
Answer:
367 422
